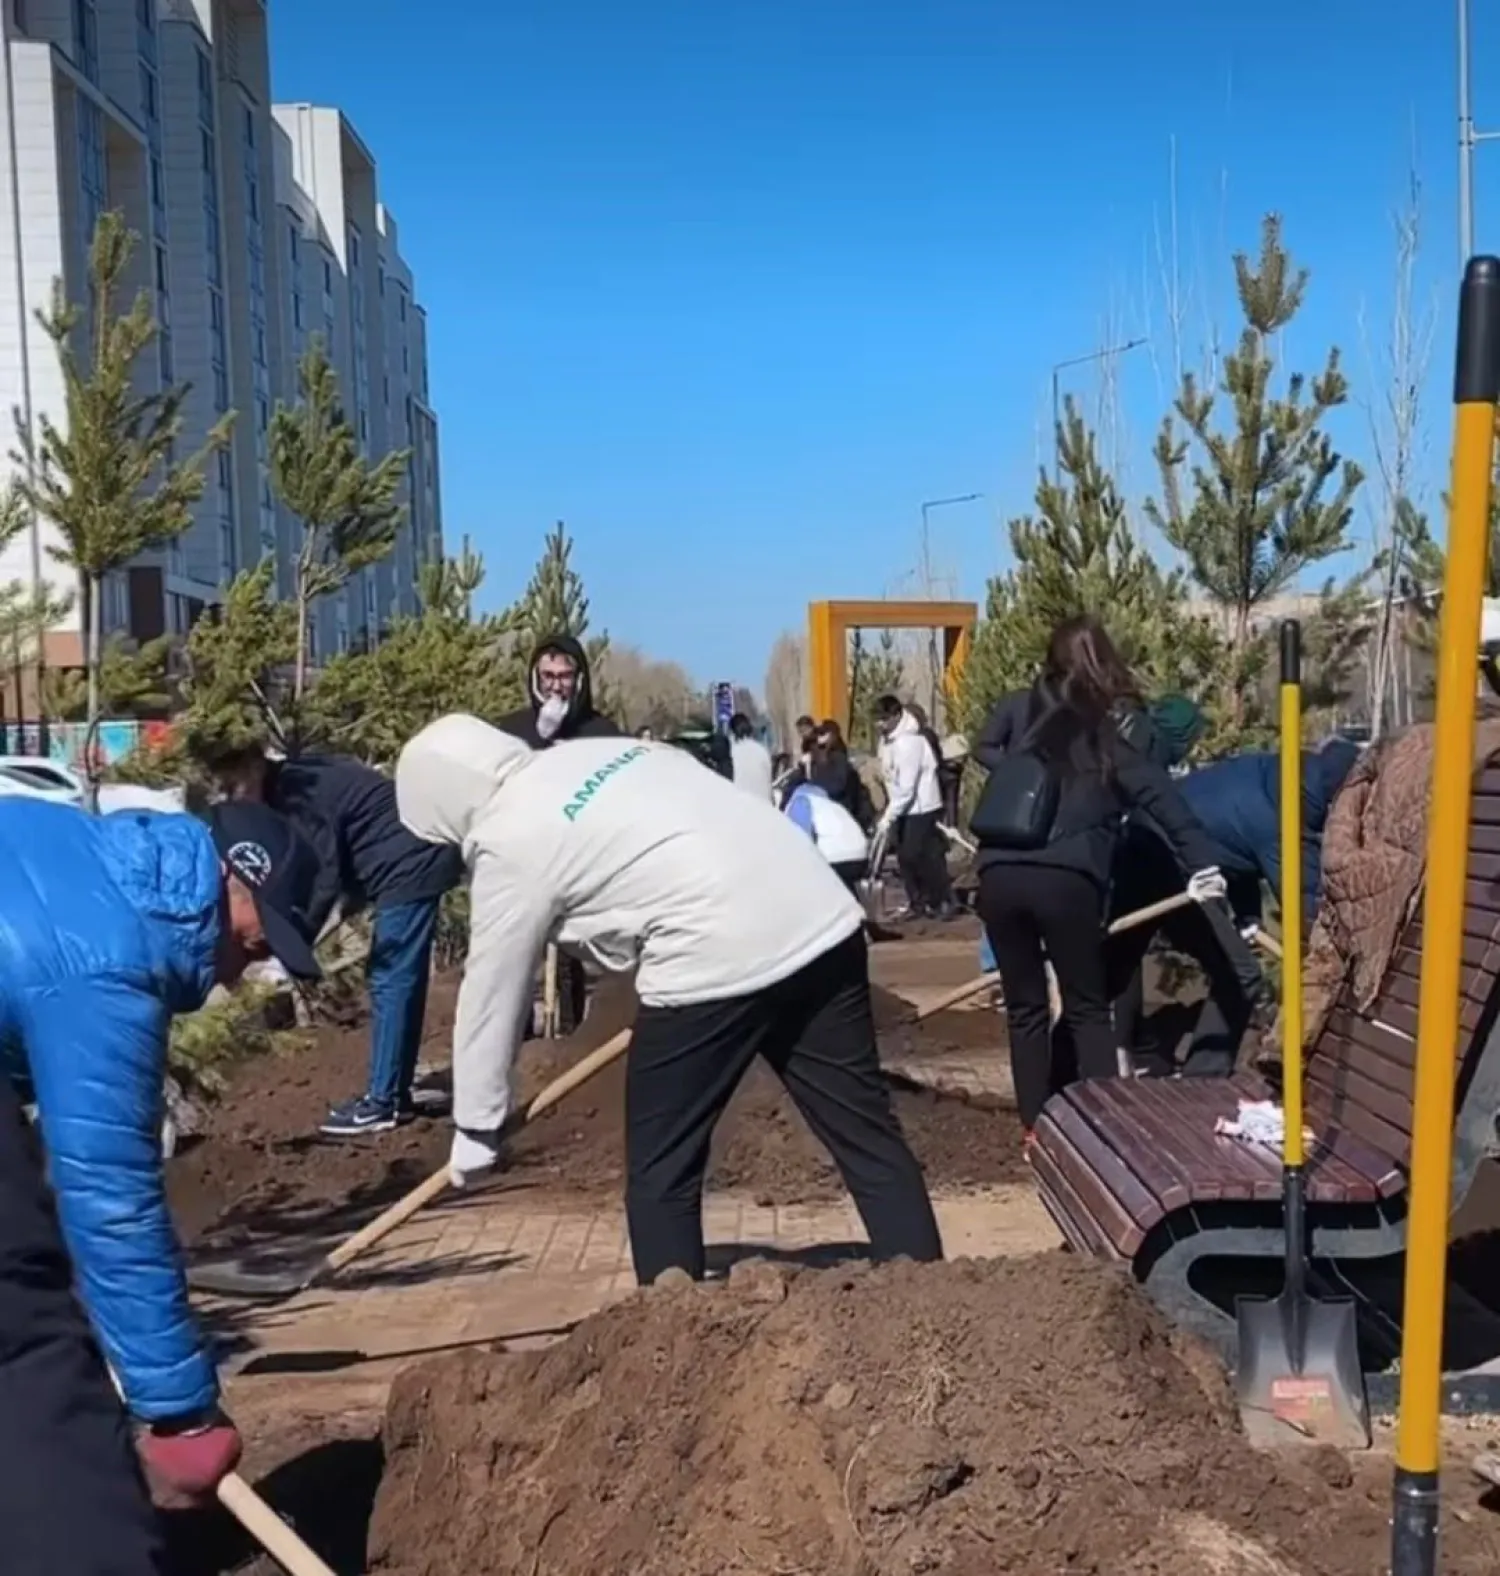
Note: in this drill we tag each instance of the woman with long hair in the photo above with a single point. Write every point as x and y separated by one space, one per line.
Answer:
830 769
1058 750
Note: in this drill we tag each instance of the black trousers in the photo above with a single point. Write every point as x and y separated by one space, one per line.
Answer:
1034 914
816 1031
73 1501
922 855
851 872
1206 933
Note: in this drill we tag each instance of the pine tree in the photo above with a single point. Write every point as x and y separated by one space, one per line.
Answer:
370 704
555 603
1077 554
108 480
872 673
348 507
26 614
1268 496
236 658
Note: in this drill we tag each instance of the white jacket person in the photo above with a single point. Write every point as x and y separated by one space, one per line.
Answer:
620 849
911 772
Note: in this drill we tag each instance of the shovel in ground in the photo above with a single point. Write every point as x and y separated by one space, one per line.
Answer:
1298 1376
236 1280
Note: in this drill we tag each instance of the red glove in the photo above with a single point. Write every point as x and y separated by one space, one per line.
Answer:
186 1458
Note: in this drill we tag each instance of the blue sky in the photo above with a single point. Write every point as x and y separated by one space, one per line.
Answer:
734 287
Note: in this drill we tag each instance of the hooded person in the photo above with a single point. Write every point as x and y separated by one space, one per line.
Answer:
560 688
744 944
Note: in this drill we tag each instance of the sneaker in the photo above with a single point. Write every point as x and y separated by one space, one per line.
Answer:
363 1115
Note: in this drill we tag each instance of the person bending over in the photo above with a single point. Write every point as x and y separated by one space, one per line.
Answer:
1042 896
910 764
744 941
347 812
838 836
109 926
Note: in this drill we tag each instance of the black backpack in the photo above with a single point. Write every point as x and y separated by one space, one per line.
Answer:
1017 807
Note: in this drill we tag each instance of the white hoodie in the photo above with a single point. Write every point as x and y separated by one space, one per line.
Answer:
910 769
624 850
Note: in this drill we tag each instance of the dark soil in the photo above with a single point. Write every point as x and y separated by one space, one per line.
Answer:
261 1172
1032 1416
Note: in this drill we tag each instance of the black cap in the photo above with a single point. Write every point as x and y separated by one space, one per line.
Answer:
280 868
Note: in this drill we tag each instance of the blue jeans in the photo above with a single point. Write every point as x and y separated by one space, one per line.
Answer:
400 959
987 963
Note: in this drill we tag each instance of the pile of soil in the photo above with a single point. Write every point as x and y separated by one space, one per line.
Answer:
262 1174
1030 1415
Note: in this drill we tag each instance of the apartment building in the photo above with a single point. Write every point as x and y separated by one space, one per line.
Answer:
350 285
258 225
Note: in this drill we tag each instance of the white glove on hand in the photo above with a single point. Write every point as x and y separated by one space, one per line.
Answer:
1207 886
473 1155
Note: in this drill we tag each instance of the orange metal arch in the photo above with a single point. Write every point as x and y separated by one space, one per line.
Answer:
830 623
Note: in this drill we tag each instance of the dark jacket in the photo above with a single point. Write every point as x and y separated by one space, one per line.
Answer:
1239 803
834 773
1092 806
581 722
109 925
347 811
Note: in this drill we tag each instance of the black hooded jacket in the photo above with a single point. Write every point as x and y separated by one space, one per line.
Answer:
581 722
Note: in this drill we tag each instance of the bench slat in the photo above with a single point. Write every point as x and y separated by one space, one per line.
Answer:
1231 1169
1101 1183
1145 1159
1347 1106
1079 1226
1140 1202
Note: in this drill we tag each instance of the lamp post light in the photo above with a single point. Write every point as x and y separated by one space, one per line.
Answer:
1062 366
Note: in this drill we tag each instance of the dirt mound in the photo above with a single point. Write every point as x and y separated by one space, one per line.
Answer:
1026 1415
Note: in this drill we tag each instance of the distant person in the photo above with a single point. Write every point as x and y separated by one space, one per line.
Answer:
840 838
560 706
831 770
750 760
560 698
347 813
913 810
1048 823
1238 800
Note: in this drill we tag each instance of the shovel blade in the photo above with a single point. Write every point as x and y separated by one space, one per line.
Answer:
229 1279
1315 1396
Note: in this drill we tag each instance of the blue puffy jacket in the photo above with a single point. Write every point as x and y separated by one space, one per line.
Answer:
1239 803
108 926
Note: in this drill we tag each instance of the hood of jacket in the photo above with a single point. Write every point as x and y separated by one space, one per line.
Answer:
581 705
448 774
1324 771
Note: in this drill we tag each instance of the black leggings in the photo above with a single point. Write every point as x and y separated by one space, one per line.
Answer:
922 855
72 1498
1035 914
816 1032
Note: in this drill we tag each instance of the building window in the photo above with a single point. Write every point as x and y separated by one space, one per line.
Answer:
205 85
86 38
328 276
294 245
262 413
149 106
249 127
403 306
145 14
161 269
164 357
209 152
158 185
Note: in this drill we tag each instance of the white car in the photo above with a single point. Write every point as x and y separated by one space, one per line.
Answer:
33 777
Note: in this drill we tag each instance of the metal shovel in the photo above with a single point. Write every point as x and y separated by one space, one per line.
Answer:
233 1279
1298 1376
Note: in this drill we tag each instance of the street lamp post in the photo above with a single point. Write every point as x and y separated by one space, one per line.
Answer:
1062 366
1468 140
933 661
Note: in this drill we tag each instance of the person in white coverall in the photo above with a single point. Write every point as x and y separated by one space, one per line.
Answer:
744 941
915 802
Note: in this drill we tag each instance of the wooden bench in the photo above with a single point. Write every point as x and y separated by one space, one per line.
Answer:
1132 1170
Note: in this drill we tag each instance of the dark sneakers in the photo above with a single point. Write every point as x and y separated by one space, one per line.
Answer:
365 1115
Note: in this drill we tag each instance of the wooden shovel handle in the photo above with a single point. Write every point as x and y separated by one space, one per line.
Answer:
1144 916
424 1193
268 1529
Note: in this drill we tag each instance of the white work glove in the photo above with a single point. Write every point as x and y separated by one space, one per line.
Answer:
551 715
473 1155
1207 886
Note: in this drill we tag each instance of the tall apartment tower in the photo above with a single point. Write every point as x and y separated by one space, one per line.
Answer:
257 227
351 286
